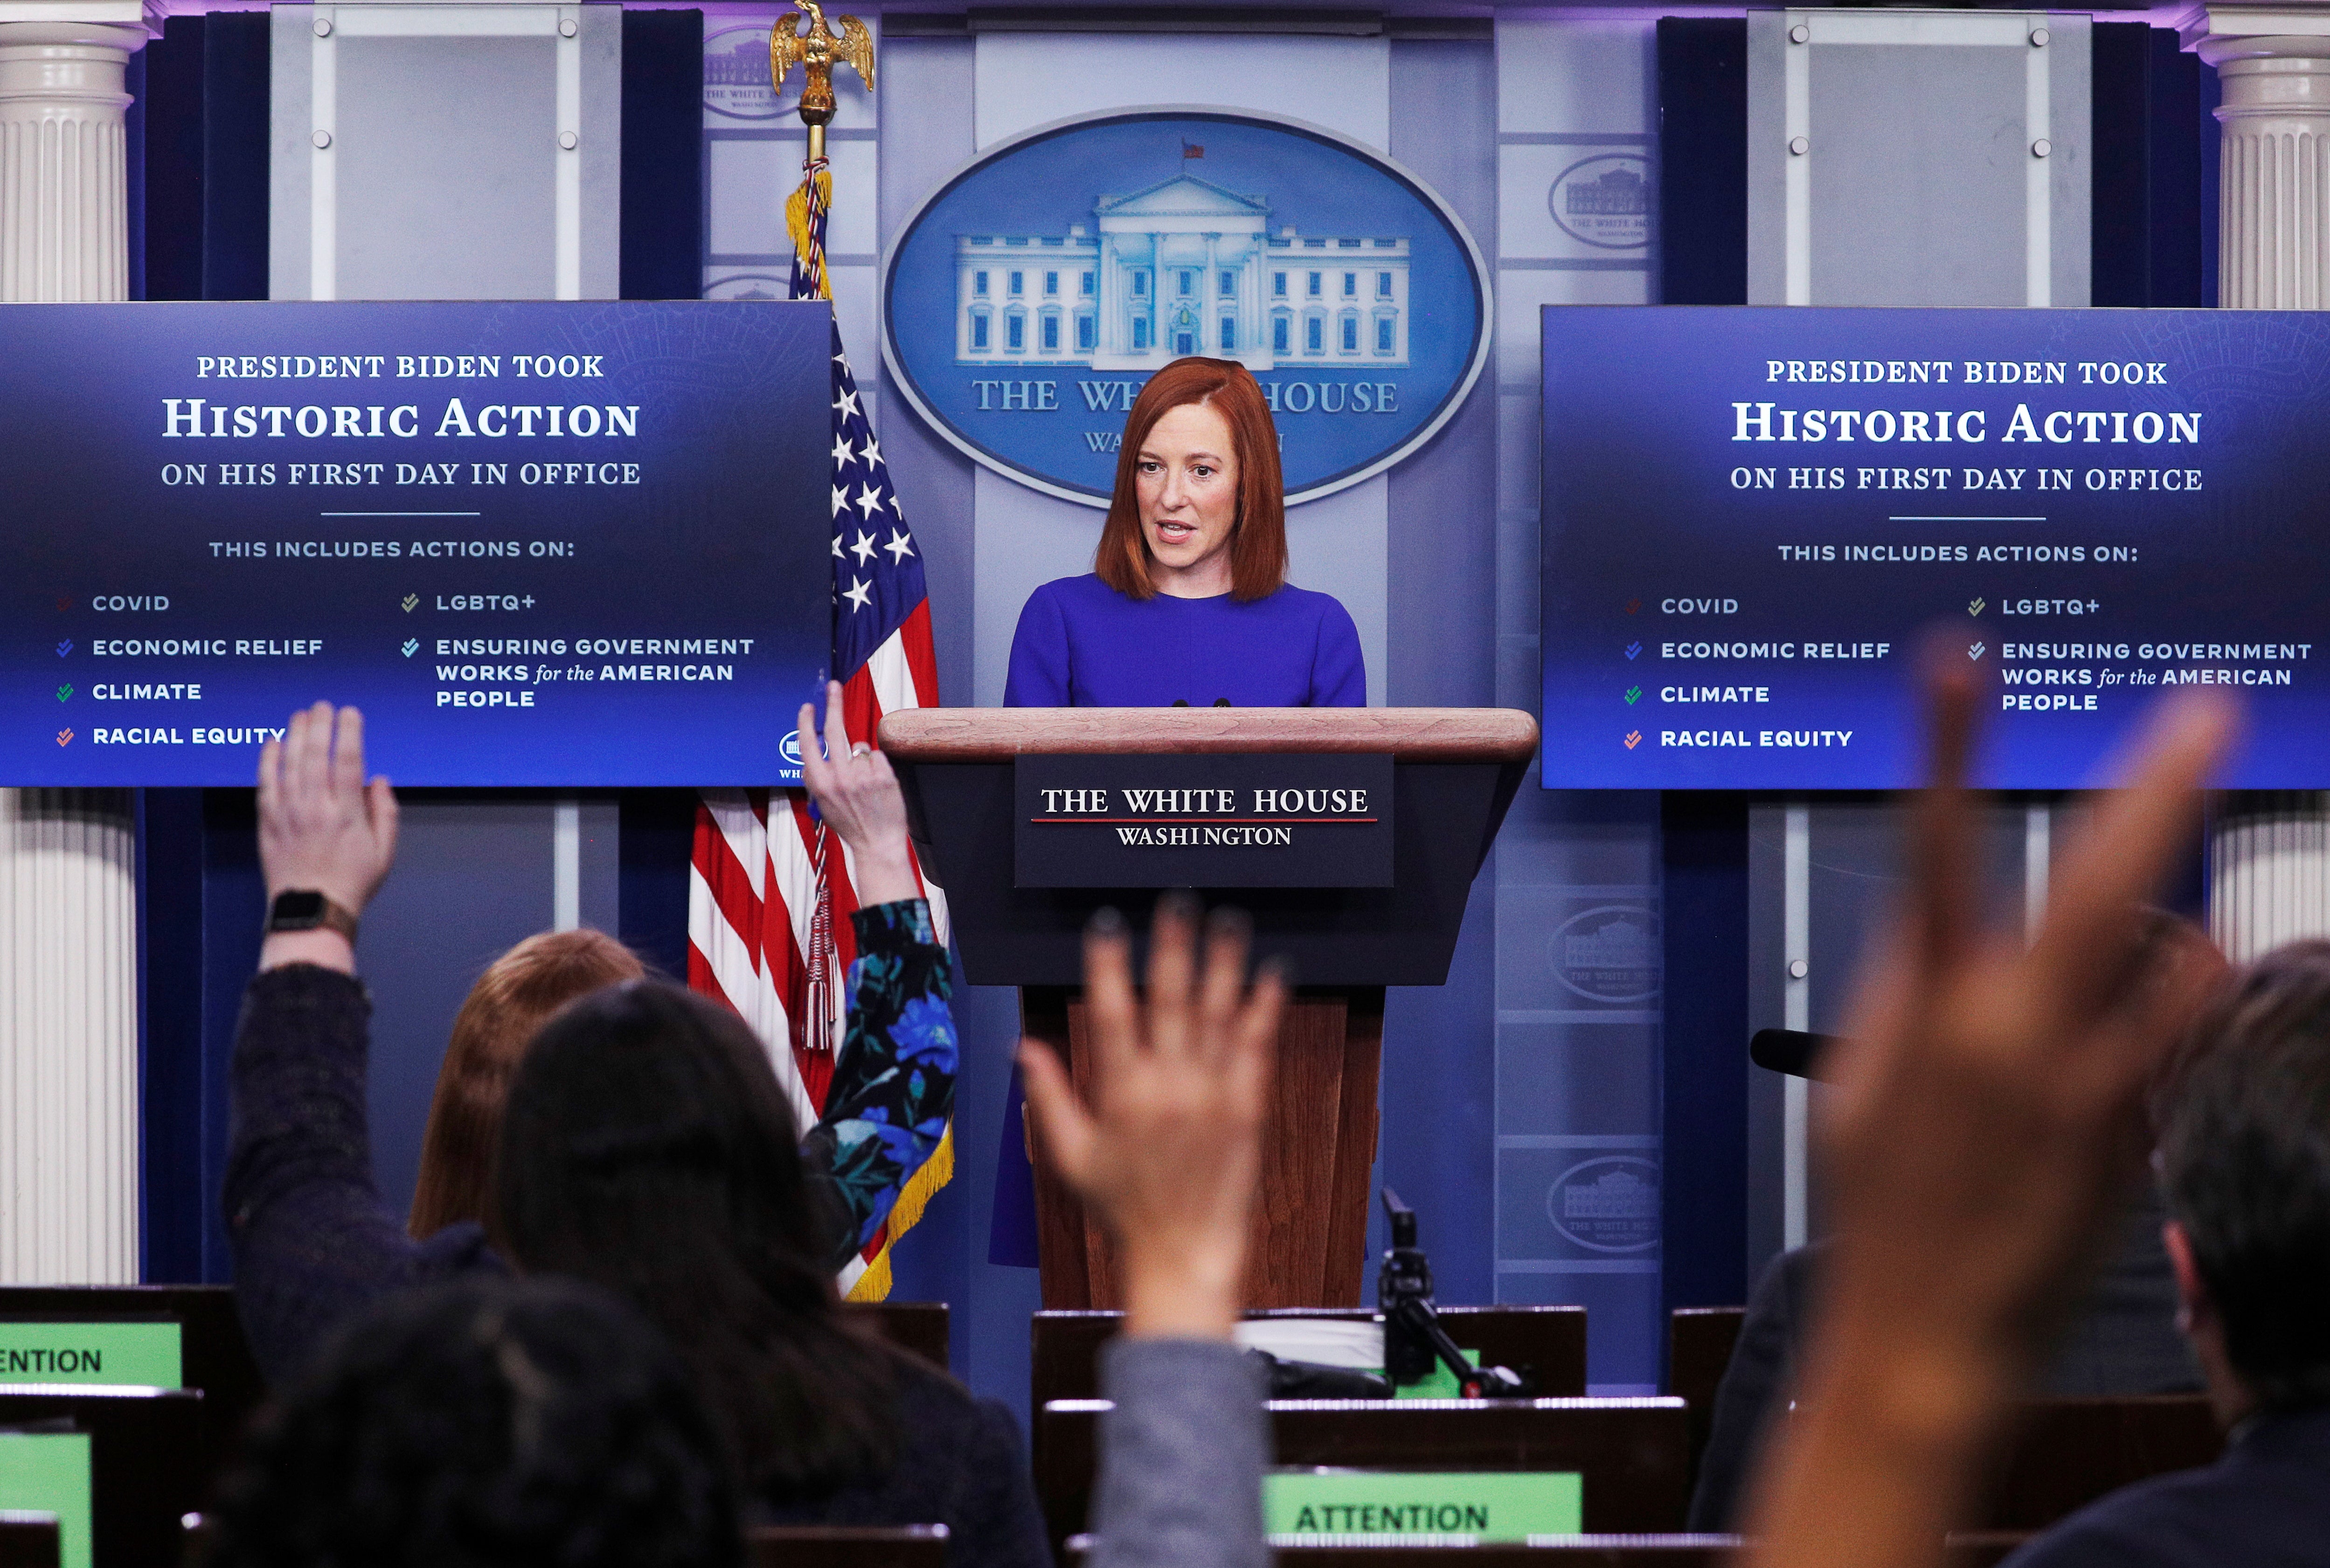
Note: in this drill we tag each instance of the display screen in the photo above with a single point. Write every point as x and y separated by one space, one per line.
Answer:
537 544
1755 518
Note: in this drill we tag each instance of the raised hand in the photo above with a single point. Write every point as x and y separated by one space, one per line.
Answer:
858 795
1168 1154
322 828
1985 1115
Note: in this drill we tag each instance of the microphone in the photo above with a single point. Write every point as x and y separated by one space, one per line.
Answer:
1413 1341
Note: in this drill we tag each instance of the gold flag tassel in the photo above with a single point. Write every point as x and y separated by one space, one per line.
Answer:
805 213
936 1171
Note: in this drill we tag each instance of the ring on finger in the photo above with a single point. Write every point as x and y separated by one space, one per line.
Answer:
861 749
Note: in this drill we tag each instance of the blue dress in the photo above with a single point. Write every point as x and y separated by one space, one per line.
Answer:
1082 644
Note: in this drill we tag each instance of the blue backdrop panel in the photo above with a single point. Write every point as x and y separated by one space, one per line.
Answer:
1703 1098
662 255
165 202
2147 216
621 598
199 905
238 85
1702 241
1752 517
176 1196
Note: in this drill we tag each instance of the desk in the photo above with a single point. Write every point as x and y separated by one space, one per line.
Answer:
843 1546
28 1540
1699 1340
213 1356
1064 1362
1958 1551
1633 1453
2062 1454
920 1327
148 1462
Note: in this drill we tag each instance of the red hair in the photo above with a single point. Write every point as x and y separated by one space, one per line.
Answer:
508 1004
1257 534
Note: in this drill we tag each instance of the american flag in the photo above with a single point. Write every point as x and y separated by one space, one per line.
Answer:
770 895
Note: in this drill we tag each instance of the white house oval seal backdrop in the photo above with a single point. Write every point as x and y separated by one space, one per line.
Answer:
1024 302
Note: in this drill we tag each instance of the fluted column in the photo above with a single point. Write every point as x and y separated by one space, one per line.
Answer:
2269 853
64 213
2274 176
69 1139
68 1037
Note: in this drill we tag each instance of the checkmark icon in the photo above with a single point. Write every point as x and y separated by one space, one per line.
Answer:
411 600
64 737
1634 605
64 648
64 604
1633 649
1633 738
1633 694
65 692
1974 606
1975 651
412 646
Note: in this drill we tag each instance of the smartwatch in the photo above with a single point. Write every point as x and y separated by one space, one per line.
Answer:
296 910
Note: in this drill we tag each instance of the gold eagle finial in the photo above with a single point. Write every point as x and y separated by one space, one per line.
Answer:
817 51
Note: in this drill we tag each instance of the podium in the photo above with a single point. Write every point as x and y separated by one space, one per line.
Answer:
1452 773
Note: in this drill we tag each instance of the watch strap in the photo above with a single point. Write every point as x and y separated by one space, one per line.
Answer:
332 916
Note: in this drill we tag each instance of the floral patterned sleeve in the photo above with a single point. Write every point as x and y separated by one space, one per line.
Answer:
893 1086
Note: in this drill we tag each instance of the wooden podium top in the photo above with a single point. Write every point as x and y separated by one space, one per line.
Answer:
968 735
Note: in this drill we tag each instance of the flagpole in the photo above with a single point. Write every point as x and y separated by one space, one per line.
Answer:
903 647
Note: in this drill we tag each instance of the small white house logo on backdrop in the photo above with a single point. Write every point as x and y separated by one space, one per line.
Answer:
736 73
1609 1204
1604 201
1608 953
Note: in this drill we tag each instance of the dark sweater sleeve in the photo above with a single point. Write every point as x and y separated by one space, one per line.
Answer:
996 1519
1182 1453
893 1087
313 1239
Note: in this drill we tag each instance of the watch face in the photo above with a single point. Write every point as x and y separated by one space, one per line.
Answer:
306 907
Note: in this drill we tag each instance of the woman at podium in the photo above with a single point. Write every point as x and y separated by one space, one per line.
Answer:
1188 603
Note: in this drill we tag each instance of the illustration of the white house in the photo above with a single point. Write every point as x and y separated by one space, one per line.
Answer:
1183 267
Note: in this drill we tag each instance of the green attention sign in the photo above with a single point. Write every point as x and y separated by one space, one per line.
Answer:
136 1352
48 1473
1316 1507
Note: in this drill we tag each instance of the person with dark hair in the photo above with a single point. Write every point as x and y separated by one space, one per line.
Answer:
497 1022
2244 1162
1188 603
646 1147
484 1423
